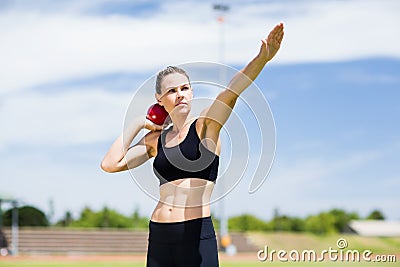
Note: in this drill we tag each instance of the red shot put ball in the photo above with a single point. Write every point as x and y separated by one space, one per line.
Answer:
157 114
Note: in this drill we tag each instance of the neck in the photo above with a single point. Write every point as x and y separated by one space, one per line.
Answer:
179 122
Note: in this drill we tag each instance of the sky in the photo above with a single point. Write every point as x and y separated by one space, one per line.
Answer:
70 70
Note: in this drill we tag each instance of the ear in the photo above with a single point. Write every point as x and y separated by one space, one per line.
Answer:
157 97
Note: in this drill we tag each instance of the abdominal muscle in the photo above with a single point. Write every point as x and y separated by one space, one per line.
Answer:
183 199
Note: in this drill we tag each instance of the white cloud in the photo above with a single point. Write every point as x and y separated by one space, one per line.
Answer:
43 46
59 119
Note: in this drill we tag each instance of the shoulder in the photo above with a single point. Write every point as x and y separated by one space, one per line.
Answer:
206 126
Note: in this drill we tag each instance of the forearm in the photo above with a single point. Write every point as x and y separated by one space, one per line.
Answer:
222 107
120 147
247 75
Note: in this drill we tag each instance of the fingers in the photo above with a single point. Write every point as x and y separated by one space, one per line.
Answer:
276 32
275 37
151 126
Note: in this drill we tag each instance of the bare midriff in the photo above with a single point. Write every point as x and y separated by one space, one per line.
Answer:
183 199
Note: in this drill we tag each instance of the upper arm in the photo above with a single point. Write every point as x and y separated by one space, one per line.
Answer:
139 153
216 115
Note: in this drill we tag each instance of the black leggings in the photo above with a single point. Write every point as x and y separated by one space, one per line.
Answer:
182 244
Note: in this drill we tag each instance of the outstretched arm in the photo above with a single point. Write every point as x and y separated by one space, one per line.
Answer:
220 110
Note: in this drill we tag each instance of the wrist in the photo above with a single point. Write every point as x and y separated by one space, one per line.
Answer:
261 59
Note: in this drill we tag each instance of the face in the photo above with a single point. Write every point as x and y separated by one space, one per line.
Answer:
176 93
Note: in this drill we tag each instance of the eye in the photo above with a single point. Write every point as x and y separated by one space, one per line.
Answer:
171 90
185 88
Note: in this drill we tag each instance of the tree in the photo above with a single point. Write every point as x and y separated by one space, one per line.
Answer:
342 219
138 221
323 223
66 221
106 218
297 224
247 222
375 215
282 223
27 216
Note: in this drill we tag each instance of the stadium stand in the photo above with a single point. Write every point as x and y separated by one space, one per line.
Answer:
45 241
375 228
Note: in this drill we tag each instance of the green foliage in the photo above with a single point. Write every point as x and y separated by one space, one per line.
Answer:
375 215
27 216
66 221
333 221
342 219
285 223
247 222
105 218
297 224
323 223
138 221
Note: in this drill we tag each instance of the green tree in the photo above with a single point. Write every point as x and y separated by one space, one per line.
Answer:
102 219
282 223
297 224
342 219
323 223
27 216
138 221
375 215
247 222
87 218
66 221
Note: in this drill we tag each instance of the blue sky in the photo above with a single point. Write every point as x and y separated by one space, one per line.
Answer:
69 70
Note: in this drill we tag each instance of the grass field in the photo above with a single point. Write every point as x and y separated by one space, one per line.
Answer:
303 241
277 241
239 260
223 264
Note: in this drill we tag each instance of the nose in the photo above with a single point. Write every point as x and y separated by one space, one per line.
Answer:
179 94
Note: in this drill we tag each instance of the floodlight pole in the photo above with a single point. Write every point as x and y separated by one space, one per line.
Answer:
14 228
221 9
1 214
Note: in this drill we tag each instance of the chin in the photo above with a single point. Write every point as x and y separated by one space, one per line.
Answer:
184 109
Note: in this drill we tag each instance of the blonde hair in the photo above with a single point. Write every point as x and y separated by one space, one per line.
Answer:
168 70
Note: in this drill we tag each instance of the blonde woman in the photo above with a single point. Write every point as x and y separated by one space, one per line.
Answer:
186 160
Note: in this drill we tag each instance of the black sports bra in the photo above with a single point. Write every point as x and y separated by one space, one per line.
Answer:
189 159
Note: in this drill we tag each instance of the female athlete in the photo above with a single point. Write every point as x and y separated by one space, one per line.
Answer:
186 159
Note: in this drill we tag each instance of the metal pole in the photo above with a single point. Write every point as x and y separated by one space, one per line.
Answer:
224 235
1 215
14 229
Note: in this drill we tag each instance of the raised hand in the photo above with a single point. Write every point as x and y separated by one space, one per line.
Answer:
272 43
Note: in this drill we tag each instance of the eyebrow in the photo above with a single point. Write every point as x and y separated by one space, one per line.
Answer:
180 85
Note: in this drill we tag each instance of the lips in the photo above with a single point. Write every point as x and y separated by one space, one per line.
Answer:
181 103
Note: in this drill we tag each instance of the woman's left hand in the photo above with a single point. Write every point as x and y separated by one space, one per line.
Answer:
272 43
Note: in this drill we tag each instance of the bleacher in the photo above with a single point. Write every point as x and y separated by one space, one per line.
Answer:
38 240
74 241
380 228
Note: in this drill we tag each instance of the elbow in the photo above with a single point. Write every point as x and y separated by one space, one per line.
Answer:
108 167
